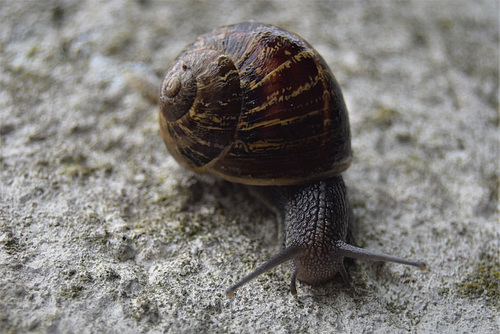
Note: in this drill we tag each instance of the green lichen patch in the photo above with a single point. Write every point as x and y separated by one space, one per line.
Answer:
71 291
484 281
384 116
78 166
145 310
11 244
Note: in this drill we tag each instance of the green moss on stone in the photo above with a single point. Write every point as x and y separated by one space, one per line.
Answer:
484 281
71 291
11 244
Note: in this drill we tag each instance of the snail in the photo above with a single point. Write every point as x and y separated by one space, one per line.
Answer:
255 104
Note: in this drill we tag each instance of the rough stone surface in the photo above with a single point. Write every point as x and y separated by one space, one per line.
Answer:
101 231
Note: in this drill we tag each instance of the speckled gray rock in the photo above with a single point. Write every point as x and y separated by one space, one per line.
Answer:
101 231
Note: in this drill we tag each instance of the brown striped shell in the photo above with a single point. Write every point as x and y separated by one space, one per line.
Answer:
255 104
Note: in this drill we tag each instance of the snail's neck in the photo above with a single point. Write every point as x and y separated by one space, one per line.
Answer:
317 218
310 205
316 214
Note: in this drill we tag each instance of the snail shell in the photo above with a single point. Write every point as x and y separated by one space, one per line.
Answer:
255 104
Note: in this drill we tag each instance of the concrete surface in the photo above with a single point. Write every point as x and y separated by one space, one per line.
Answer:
101 231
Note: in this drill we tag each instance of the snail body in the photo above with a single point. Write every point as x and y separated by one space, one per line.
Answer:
257 105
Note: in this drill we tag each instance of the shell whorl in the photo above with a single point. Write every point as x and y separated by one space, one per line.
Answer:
200 101
278 113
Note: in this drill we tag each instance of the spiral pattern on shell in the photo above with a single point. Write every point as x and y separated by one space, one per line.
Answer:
255 104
